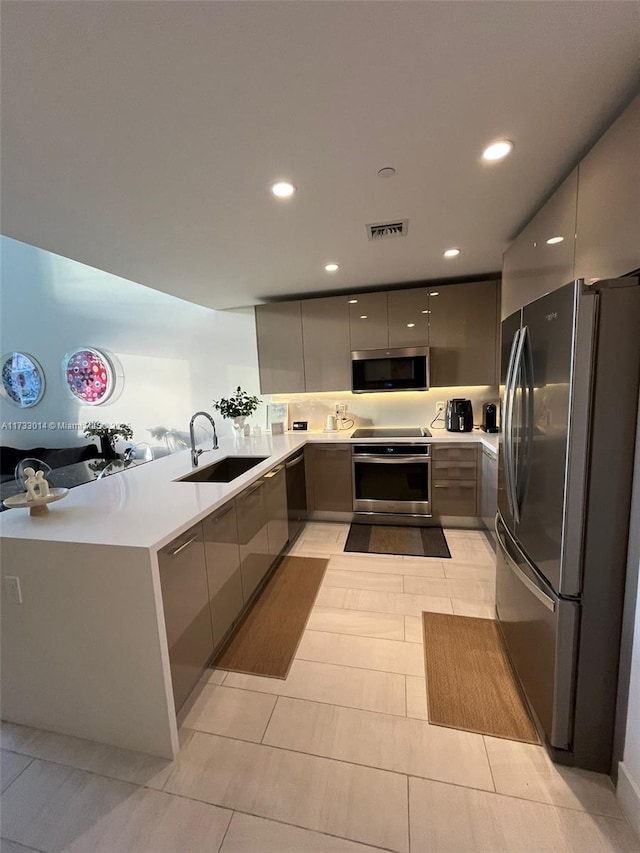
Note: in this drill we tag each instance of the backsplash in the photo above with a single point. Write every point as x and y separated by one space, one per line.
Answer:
401 408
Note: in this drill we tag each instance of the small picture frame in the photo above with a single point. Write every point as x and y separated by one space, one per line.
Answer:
277 428
277 413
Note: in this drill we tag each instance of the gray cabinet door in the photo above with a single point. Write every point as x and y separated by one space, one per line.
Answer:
531 265
409 317
327 354
275 497
368 321
454 474
222 552
185 599
463 334
254 538
330 477
489 489
280 355
608 229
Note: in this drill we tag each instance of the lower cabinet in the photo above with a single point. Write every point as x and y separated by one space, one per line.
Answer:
253 536
222 552
489 489
185 596
275 498
454 480
329 477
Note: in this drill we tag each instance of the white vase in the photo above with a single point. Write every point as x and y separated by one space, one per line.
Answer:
238 425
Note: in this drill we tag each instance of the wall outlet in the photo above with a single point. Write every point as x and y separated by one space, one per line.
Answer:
439 407
341 408
12 590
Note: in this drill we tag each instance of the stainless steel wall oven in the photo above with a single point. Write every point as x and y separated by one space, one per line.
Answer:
392 478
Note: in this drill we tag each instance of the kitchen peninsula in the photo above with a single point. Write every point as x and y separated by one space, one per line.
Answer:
86 651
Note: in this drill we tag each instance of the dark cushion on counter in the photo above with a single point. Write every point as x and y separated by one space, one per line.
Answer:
55 457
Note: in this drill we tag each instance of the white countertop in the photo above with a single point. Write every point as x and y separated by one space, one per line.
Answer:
144 507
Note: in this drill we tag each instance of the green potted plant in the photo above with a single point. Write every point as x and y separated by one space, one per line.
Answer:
238 407
107 433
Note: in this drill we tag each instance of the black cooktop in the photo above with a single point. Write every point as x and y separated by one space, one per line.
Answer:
391 432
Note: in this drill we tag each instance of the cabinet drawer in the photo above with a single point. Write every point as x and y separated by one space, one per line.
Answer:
454 470
454 497
442 453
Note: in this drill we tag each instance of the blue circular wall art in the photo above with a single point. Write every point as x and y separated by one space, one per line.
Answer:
22 379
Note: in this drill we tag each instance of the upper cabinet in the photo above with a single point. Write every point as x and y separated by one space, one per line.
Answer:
532 265
608 229
280 355
325 334
368 321
409 317
463 331
596 212
306 345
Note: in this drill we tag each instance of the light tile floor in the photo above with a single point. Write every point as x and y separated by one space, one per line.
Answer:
337 758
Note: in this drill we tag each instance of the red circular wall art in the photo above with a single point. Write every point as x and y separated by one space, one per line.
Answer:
89 376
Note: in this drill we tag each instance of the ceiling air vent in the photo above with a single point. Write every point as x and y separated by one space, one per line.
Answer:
382 230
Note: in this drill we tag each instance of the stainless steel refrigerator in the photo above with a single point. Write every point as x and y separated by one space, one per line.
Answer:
569 395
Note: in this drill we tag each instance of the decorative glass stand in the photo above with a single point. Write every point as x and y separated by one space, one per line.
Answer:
38 506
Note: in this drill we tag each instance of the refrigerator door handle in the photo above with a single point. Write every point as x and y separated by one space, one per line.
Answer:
517 364
508 422
524 367
545 599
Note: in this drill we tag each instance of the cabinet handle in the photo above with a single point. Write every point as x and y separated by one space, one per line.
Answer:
248 493
294 462
273 472
221 515
183 546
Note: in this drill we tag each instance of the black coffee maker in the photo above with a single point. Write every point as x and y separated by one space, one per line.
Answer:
459 415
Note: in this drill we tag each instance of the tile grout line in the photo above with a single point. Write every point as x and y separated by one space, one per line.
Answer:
620 818
408 814
493 779
317 701
362 636
15 779
220 846
264 733
351 666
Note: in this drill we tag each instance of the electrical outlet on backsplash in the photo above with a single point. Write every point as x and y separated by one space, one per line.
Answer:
400 408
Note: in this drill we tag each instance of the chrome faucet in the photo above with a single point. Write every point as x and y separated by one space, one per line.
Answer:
196 453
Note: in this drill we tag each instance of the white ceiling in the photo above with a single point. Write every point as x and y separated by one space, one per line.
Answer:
141 137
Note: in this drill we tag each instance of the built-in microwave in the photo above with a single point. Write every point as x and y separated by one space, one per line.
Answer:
402 369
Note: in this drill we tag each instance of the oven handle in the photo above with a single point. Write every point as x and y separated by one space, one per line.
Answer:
389 460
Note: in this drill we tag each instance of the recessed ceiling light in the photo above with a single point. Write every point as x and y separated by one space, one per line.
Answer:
352 301
410 325
426 312
363 316
553 240
332 267
386 172
435 293
283 189
451 253
497 150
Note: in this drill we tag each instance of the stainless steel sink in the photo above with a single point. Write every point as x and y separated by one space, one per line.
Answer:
223 471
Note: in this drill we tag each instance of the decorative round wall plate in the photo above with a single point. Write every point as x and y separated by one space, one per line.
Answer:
22 379
89 375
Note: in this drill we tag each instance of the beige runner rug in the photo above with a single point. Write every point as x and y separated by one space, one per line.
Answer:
470 683
267 638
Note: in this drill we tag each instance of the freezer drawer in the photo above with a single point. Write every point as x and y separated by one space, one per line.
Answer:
540 631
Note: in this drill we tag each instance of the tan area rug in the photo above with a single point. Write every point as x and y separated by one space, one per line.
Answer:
267 638
470 683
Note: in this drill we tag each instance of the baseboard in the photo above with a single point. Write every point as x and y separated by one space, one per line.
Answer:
628 793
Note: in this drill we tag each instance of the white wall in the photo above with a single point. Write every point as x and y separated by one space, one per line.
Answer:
177 357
